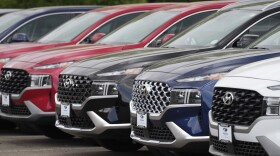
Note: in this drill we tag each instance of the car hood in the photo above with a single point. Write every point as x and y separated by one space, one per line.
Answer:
221 61
270 69
64 54
12 50
122 60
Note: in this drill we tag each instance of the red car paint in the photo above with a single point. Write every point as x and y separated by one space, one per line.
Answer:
16 49
44 98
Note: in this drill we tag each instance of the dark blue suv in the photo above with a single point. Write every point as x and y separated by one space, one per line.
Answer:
171 99
31 24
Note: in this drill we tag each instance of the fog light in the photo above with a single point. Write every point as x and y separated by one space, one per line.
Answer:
185 96
272 105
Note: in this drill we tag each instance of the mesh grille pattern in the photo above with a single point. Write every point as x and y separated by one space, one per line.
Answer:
240 147
245 108
81 121
14 81
161 133
76 93
15 110
150 97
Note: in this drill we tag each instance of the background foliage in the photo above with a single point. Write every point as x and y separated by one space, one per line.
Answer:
37 3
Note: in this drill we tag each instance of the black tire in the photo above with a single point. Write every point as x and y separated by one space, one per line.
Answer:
125 145
30 129
54 133
7 125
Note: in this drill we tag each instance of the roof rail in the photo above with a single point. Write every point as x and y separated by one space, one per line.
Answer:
247 3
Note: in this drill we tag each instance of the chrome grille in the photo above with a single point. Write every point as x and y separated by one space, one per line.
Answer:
76 93
150 97
17 81
246 107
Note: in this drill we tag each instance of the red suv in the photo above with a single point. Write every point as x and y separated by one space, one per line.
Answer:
86 28
29 82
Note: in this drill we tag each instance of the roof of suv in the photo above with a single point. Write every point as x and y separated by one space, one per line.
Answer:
260 5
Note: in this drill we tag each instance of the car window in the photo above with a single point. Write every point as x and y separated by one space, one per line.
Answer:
260 28
138 28
180 26
112 25
41 26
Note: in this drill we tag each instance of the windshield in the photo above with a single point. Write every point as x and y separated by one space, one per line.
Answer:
69 30
214 29
269 41
10 19
138 29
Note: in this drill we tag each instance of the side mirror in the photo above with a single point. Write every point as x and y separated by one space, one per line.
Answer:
20 37
246 40
164 39
97 37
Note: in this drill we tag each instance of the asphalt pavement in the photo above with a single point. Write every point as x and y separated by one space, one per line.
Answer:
16 143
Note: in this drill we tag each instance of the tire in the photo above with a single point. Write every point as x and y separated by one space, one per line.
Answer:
30 129
54 133
125 145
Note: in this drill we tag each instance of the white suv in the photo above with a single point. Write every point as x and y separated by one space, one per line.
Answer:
244 119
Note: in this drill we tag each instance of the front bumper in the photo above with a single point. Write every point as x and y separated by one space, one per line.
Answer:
180 138
262 134
27 107
101 127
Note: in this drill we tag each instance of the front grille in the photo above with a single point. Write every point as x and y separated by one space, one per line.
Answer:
14 81
76 93
150 97
161 133
239 147
15 110
76 121
246 107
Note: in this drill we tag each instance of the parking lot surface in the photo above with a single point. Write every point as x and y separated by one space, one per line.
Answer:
16 143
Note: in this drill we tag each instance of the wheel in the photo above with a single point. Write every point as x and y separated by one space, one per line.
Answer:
7 125
30 129
54 133
125 145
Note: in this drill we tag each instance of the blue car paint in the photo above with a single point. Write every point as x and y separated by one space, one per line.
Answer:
194 120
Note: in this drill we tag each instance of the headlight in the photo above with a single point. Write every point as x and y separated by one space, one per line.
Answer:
215 76
274 87
58 65
185 96
104 88
40 81
4 60
272 105
133 71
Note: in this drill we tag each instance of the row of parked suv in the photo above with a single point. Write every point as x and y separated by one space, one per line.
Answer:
164 75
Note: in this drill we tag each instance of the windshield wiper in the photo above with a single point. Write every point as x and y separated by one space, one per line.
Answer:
259 48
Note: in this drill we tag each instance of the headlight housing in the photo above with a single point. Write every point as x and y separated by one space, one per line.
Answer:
57 65
133 71
104 88
40 81
272 105
185 96
4 60
215 76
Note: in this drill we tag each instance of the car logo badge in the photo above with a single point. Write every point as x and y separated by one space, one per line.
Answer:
147 89
228 98
69 83
8 75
